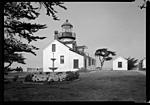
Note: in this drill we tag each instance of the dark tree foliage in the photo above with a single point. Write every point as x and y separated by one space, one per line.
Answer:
15 29
19 69
144 4
104 55
132 63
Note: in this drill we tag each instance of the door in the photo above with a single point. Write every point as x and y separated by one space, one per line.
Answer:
119 64
85 63
75 63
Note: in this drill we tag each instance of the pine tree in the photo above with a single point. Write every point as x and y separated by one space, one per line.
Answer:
104 55
15 29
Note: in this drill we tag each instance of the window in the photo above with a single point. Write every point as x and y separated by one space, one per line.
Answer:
89 61
85 63
119 64
93 62
62 59
75 63
53 47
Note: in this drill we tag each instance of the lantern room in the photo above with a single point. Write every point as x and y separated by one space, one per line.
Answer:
66 34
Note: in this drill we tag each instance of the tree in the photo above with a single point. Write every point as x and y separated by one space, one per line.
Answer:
19 69
132 63
104 55
15 29
145 4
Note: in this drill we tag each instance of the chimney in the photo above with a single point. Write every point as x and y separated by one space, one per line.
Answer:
56 35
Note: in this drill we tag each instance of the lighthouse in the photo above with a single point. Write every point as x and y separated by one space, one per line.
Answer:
66 36
63 53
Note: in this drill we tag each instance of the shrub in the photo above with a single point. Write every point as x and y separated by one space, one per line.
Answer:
82 70
6 80
98 68
72 75
47 72
76 74
19 69
28 78
56 78
39 77
51 77
5 73
62 76
15 78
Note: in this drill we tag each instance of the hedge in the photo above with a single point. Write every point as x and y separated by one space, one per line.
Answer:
52 76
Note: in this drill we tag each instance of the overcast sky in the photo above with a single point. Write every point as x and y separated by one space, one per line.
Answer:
118 26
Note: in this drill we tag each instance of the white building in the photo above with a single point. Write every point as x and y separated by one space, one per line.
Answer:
120 63
63 54
142 64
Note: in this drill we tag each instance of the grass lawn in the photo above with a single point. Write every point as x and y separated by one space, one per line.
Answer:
92 86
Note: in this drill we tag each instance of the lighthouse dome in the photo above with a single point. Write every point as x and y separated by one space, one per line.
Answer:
67 24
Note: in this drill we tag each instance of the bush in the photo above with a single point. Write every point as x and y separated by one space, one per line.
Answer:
98 68
51 77
28 78
19 69
62 76
15 78
76 74
39 77
82 70
6 70
47 72
5 73
72 75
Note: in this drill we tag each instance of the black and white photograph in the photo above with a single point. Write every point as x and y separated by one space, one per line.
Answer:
58 51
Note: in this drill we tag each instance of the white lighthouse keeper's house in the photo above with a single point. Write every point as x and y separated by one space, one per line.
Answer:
120 63
66 54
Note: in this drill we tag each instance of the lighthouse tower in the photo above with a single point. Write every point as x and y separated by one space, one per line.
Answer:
66 36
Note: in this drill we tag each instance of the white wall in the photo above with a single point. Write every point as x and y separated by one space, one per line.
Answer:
70 45
74 55
66 39
144 63
124 64
61 49
91 67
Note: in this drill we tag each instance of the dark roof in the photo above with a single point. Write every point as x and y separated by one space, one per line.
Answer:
68 42
82 47
78 52
67 24
119 57
63 43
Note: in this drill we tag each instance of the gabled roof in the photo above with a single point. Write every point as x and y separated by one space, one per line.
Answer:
53 41
78 52
119 57
82 47
73 50
68 42
63 44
